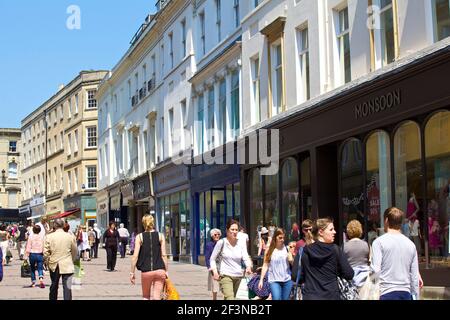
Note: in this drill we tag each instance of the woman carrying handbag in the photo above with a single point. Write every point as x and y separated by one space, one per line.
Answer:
150 258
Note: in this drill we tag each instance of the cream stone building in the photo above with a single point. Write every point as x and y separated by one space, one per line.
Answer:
60 169
9 168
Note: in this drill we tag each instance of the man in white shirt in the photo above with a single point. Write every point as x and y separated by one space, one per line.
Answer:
124 235
394 260
98 235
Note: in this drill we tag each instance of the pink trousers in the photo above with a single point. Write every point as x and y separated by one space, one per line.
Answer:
153 284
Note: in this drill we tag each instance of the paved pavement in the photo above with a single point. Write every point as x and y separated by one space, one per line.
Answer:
99 284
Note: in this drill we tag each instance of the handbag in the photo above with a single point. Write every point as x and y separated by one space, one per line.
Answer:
243 292
370 289
219 256
170 292
347 290
25 269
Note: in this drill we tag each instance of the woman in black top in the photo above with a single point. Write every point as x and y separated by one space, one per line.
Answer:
111 239
322 263
151 259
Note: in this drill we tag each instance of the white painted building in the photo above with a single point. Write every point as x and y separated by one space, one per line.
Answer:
326 44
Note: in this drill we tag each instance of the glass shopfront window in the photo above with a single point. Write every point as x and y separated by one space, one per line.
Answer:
290 203
237 202
437 151
256 207
352 183
408 171
216 208
202 222
378 175
272 212
305 189
167 225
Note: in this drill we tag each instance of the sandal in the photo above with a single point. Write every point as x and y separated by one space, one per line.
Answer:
33 285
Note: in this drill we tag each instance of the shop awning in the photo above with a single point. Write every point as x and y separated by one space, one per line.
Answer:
63 214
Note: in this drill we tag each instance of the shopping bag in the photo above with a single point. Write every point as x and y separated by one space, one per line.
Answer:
370 289
170 293
25 269
242 293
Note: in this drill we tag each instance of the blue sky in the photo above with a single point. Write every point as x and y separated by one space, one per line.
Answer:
38 52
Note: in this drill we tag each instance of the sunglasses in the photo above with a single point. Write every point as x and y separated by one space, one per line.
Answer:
291 247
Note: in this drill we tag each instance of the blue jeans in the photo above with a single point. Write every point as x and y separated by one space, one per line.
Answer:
280 290
36 259
396 295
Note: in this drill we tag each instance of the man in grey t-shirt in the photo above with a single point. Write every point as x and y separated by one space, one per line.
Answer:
394 260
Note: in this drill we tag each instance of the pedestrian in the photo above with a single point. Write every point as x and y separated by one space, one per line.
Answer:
243 238
151 259
357 252
45 227
133 241
4 242
92 238
213 285
35 252
394 260
264 242
98 235
291 249
83 243
307 238
278 264
124 236
322 263
21 240
111 239
294 235
229 273
60 254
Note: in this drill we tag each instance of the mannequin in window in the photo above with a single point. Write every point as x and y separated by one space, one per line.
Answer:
412 208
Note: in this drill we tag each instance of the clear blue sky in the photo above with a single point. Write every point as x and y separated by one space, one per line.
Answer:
38 52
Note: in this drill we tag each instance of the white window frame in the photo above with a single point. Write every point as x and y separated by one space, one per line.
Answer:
256 95
276 109
304 67
75 141
342 33
172 61
237 20
88 137
88 185
435 22
202 21
69 182
11 174
379 46
91 101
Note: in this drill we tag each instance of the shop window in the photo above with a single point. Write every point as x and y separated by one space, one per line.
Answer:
407 167
441 16
271 212
352 183
437 151
256 208
378 183
306 198
290 195
237 202
201 205
167 225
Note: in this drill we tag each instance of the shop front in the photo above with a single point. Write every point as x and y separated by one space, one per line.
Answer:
37 208
87 206
54 206
216 194
143 202
102 209
173 213
24 212
380 143
118 213
127 208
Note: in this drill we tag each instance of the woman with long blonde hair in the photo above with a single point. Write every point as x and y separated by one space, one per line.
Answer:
277 262
151 259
